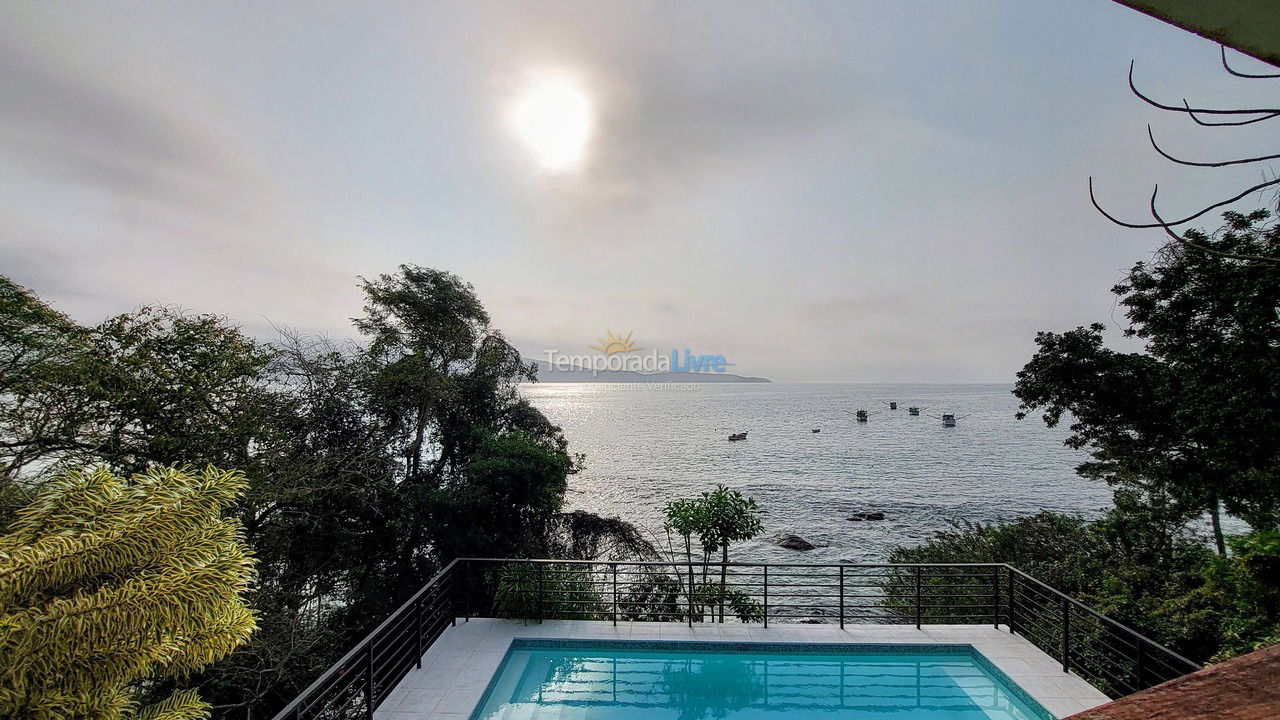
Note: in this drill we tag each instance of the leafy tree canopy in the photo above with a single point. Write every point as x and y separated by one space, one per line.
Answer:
1196 416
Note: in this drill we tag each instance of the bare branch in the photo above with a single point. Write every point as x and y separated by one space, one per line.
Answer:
1227 123
1190 243
1190 110
1237 73
1187 219
1223 163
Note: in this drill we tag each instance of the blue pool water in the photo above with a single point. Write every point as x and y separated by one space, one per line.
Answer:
599 680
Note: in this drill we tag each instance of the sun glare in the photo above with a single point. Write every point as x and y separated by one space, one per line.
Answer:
554 118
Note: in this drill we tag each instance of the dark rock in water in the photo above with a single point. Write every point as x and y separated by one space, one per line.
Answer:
792 542
866 516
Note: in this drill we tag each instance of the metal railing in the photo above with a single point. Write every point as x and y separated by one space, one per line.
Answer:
1116 659
358 683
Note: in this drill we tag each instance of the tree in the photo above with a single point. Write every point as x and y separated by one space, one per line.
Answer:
719 518
350 508
440 369
108 584
43 359
155 386
1195 419
511 490
1209 117
1173 589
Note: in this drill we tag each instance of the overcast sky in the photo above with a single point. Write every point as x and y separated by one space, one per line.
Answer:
842 191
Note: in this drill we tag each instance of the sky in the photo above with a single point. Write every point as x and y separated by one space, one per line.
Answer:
819 191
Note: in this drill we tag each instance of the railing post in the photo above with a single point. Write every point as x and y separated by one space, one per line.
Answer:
995 597
1138 663
690 593
418 630
466 591
919 597
540 599
615 594
1066 635
1013 630
766 595
842 597
368 681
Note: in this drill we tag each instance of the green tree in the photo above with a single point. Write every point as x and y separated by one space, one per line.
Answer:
108 584
1171 588
509 492
347 512
43 382
719 518
1195 418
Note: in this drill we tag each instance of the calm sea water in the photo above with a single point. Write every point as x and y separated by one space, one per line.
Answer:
685 684
646 445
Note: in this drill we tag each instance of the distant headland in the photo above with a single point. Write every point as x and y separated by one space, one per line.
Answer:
549 373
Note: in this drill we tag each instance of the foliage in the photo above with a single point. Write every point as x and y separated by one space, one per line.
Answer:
653 595
370 463
719 517
107 584
740 603
527 591
512 487
581 535
42 354
1172 589
1194 421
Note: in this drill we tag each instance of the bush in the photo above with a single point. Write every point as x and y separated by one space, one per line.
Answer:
1166 585
547 591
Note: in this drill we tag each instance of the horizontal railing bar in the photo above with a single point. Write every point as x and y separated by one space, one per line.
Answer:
366 642
1104 618
1101 648
698 565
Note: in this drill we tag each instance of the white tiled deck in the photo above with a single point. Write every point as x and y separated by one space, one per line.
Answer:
457 668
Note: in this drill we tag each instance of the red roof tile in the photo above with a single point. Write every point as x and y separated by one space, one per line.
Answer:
1245 688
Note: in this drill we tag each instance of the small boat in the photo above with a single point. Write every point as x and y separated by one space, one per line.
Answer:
816 430
913 411
948 421
861 415
892 405
735 437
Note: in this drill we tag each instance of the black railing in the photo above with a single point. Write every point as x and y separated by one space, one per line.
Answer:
1114 658
358 683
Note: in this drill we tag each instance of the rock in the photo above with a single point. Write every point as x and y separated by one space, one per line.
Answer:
792 542
866 516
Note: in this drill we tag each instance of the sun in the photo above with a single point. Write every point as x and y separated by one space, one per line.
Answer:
554 117
611 344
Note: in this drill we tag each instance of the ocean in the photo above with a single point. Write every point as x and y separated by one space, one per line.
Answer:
648 444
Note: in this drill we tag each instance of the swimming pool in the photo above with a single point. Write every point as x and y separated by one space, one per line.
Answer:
660 680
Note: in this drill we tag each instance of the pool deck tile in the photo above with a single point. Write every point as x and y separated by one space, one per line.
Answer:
457 668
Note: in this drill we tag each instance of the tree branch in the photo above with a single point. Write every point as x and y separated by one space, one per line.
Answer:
1189 243
1185 220
1190 110
1223 163
1237 73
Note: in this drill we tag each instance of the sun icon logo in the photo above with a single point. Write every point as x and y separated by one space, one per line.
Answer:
612 344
